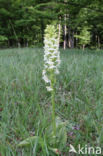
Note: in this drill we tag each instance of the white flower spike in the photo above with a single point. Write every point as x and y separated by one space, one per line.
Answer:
51 54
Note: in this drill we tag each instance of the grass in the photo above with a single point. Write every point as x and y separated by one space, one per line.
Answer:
25 108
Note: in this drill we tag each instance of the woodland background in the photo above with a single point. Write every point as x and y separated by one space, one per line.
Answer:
22 22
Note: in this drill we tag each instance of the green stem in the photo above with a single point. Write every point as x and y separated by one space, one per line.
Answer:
53 103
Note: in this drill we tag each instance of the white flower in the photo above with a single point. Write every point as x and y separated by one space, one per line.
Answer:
49 88
45 78
51 54
52 67
44 71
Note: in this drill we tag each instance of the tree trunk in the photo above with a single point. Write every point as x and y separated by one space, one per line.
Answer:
76 40
70 38
17 40
98 39
59 33
83 47
65 32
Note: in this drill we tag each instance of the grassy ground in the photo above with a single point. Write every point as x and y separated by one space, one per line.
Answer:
25 104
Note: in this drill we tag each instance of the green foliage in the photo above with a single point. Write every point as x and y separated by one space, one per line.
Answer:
23 95
3 38
28 141
53 143
51 32
84 37
29 19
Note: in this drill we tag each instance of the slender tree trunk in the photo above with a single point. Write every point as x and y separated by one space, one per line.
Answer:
17 40
76 40
59 33
83 47
65 32
73 39
69 38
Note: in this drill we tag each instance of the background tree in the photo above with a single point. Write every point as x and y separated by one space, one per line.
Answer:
23 22
84 37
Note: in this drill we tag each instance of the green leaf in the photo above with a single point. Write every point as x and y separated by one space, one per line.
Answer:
28 141
61 135
54 150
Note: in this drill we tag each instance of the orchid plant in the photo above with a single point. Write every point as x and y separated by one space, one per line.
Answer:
51 64
55 134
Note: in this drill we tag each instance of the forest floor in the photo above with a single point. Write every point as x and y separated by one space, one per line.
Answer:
25 107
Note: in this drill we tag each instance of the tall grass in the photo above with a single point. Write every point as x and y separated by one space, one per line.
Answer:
25 103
